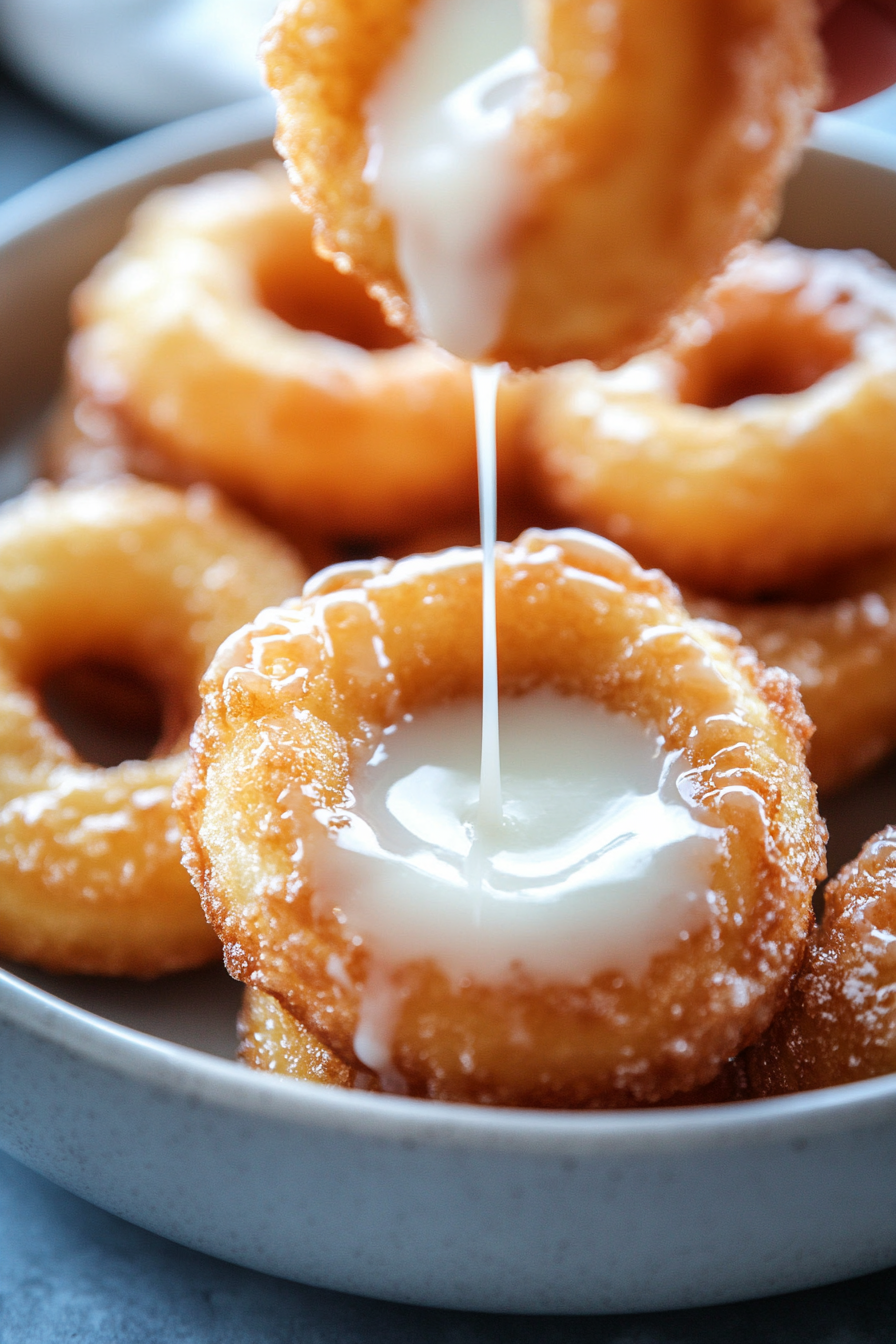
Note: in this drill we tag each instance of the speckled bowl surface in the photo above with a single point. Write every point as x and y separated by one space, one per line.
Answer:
126 1094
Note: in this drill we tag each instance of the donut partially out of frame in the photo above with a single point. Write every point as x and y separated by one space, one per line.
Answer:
140 579
839 1025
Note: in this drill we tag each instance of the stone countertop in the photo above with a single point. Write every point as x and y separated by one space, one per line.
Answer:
72 1274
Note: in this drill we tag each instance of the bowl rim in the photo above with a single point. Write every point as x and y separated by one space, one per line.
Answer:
107 171
230 1086
227 1085
241 124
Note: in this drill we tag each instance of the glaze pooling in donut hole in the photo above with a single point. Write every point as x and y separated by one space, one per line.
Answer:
126 577
645 141
293 711
213 343
752 453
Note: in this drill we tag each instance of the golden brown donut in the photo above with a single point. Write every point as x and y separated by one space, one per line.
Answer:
291 702
83 444
840 644
656 140
758 449
213 344
123 576
839 1025
272 1040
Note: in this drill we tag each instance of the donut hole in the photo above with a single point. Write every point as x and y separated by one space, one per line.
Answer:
762 348
108 712
313 296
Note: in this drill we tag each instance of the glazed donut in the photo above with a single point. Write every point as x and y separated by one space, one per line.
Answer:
841 647
648 141
122 576
292 707
213 344
273 1041
839 1024
757 449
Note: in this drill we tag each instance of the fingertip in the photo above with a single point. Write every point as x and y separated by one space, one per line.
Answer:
860 41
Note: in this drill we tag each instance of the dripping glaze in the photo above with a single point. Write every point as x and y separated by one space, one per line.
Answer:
582 855
441 162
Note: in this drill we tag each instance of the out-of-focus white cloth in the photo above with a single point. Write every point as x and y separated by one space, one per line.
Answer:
130 64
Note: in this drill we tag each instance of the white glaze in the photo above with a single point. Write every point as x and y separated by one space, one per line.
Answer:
485 396
441 162
601 862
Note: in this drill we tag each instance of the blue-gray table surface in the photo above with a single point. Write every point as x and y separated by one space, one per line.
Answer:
72 1273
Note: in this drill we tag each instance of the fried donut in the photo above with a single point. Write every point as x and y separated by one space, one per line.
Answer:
652 140
293 705
757 449
126 575
841 647
839 1024
213 344
272 1040
81 445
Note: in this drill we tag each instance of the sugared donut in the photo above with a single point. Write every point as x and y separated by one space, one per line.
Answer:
840 644
839 1024
755 451
272 1040
295 710
613 155
214 344
132 577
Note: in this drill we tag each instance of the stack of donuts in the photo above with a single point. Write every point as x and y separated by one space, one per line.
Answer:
251 399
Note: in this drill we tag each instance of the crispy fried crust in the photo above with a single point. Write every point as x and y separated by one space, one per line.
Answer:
730 496
148 578
289 703
272 1040
841 647
657 141
840 1023
197 354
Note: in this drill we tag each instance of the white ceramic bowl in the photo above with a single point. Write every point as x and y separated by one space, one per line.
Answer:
454 1206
